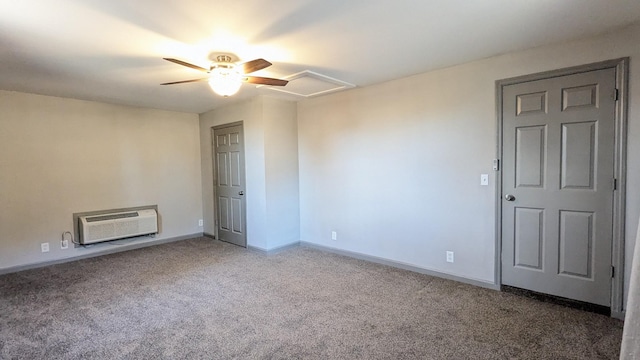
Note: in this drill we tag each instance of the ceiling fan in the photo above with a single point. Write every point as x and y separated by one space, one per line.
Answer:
226 76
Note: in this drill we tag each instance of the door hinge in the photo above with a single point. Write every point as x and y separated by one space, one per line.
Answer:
613 271
615 184
496 164
615 94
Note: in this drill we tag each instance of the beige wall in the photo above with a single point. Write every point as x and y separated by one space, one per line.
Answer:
61 156
281 172
395 168
271 161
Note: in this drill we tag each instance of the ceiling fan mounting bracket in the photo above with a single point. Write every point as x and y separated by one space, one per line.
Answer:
223 61
213 57
224 58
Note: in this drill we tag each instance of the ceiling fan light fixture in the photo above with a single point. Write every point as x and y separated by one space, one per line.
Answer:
226 77
225 80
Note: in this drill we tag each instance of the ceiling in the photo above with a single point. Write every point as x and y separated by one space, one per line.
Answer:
111 50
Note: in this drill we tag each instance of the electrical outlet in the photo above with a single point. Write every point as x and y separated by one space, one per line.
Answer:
64 244
44 247
450 256
334 236
200 222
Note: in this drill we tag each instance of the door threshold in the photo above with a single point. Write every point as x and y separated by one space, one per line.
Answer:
575 304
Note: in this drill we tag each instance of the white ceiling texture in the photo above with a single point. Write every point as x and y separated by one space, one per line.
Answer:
111 50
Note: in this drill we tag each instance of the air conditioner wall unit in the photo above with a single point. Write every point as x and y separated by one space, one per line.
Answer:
117 225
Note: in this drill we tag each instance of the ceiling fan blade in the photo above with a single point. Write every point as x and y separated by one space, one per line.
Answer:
184 81
180 62
254 65
265 81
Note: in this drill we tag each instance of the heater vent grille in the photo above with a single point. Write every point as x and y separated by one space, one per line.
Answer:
114 226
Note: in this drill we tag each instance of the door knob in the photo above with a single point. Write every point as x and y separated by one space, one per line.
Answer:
509 197
241 193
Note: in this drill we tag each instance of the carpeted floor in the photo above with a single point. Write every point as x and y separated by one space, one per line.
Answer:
203 299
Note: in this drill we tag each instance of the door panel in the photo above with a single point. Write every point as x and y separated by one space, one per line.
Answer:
236 209
223 213
528 104
530 154
578 155
529 226
230 184
223 172
580 97
558 163
236 168
576 242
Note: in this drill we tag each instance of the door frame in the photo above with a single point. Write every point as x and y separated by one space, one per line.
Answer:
214 177
621 66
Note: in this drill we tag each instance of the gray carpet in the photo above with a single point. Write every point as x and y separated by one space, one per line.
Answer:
203 299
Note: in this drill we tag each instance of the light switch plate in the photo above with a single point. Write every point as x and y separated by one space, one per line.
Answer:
484 179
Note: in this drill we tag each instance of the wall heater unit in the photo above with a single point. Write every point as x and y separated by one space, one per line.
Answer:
112 226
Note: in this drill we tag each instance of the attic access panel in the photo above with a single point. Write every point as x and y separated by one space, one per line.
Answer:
309 84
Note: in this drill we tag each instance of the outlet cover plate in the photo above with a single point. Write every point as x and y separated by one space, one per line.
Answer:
450 256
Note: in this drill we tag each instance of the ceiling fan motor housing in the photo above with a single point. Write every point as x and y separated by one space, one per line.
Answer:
224 59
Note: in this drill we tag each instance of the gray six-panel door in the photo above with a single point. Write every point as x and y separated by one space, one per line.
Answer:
228 151
557 185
